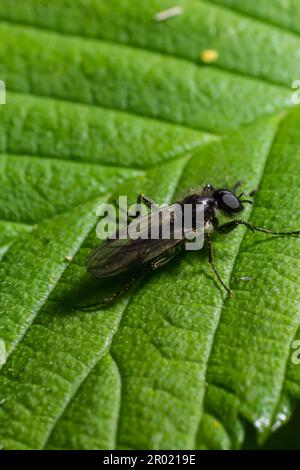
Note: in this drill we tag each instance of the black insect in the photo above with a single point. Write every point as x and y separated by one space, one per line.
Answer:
133 257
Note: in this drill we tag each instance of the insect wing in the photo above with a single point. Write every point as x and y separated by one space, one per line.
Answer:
115 256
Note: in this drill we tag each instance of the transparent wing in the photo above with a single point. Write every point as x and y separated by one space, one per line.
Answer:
115 256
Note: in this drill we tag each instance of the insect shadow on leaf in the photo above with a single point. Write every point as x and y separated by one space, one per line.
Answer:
89 294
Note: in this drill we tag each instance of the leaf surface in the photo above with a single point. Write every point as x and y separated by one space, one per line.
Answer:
103 101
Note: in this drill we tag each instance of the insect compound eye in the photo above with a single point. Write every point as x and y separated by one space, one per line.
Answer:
227 201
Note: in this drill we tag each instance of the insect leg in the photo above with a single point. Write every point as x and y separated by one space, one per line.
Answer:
228 227
212 263
147 201
111 298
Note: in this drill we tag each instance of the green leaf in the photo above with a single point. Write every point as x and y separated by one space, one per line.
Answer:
133 80
104 101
